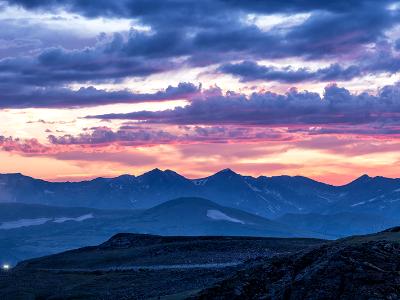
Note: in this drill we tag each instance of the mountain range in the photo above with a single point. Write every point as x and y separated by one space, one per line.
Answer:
39 218
269 197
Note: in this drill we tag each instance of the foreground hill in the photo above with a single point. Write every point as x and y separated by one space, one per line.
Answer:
363 267
130 266
269 197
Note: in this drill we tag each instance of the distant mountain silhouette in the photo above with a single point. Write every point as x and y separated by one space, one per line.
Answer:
269 197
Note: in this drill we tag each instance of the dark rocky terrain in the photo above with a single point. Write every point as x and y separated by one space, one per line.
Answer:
131 266
365 267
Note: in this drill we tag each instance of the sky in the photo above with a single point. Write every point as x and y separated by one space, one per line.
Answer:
104 88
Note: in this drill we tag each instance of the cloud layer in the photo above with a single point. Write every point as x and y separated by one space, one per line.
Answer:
337 106
260 106
172 35
58 97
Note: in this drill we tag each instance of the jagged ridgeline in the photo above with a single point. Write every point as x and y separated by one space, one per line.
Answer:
269 197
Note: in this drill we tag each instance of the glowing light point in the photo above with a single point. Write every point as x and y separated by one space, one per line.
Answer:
6 267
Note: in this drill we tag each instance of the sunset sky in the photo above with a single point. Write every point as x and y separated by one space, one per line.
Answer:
104 88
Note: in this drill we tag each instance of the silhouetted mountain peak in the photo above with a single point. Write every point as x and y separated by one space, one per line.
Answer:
15 175
226 173
360 180
378 180
364 177
167 177
18 177
171 173
159 172
125 178
155 171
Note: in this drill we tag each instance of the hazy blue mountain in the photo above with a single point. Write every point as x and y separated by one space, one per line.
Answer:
198 216
338 224
270 197
30 230
378 195
17 211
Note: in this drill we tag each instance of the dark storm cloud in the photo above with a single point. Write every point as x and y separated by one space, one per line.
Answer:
142 54
337 33
200 29
382 59
196 33
251 71
90 96
57 65
135 8
337 106
27 36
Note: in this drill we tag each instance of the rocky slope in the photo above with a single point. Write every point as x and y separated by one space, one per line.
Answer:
364 267
131 266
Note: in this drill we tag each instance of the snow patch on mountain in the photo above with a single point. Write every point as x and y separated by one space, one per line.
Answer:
358 204
23 223
253 188
40 221
200 182
77 219
220 216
